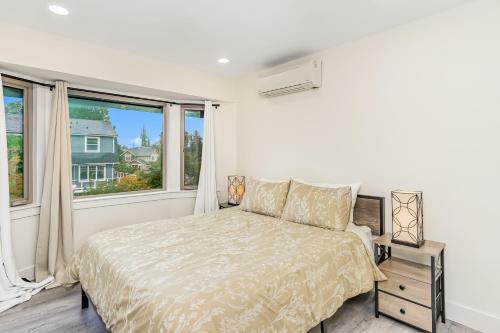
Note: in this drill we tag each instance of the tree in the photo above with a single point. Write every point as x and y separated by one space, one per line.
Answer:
89 112
145 142
192 157
16 179
153 175
14 107
124 167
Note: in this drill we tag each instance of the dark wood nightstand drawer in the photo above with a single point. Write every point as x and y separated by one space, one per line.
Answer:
407 288
406 311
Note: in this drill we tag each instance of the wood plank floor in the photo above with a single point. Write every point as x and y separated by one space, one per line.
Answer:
58 310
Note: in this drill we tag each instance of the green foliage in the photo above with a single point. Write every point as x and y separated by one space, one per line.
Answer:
145 142
88 112
124 167
119 149
152 176
125 184
15 166
15 145
192 158
14 107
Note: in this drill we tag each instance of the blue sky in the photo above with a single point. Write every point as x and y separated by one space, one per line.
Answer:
193 124
129 125
7 99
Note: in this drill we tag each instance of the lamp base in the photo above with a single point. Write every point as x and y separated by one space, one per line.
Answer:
416 245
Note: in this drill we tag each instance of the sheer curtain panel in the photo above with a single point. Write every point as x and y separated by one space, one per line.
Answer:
13 290
206 197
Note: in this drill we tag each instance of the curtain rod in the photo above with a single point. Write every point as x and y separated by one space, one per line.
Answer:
100 92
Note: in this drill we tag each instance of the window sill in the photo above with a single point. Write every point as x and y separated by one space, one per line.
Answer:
24 211
132 198
21 212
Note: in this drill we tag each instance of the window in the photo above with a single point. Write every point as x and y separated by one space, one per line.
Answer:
101 172
92 172
92 144
17 97
105 132
192 142
84 172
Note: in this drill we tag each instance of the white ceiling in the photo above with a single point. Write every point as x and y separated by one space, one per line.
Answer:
253 34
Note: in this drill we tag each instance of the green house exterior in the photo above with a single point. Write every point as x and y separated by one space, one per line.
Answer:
94 153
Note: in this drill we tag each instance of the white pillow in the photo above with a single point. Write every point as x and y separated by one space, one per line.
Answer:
355 187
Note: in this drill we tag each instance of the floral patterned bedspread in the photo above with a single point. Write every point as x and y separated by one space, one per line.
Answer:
228 271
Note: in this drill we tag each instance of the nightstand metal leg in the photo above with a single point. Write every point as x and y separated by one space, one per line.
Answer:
377 254
382 253
376 300
433 293
443 306
322 327
85 300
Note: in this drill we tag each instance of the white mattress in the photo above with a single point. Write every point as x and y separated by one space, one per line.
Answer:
365 234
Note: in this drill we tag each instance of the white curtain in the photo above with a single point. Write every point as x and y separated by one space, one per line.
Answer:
42 107
206 197
13 290
54 247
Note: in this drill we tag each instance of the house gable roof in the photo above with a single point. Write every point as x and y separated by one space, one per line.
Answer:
141 151
91 127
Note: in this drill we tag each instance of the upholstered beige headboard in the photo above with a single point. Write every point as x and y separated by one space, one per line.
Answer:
369 211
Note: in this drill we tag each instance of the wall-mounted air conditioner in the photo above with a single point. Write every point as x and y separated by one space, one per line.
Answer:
287 80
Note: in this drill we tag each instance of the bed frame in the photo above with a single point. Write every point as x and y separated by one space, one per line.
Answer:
369 211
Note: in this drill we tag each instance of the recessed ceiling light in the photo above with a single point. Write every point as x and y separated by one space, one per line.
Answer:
58 10
223 60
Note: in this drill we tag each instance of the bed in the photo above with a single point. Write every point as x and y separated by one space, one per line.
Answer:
227 271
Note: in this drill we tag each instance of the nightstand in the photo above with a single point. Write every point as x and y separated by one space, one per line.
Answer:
413 293
226 205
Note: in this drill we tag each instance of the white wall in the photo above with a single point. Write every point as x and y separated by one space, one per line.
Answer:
65 58
416 107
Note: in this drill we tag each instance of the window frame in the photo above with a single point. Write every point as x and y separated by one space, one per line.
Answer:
103 168
28 126
98 144
85 167
116 98
92 168
184 108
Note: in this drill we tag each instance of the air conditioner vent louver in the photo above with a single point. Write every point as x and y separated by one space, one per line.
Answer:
290 80
288 90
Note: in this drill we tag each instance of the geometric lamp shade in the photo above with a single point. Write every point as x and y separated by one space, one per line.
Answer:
407 218
235 189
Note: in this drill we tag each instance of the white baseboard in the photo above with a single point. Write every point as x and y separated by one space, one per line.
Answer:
27 272
478 320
